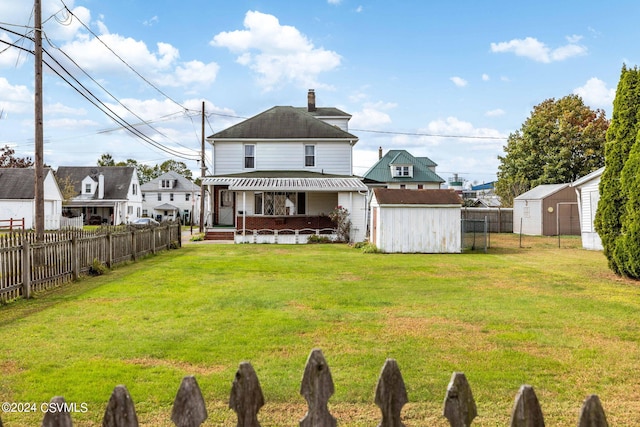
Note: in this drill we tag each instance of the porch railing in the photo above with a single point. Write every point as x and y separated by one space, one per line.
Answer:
285 236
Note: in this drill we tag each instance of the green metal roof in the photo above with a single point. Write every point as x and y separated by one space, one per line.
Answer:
381 171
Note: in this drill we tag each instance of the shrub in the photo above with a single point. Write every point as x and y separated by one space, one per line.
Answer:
318 239
340 217
97 268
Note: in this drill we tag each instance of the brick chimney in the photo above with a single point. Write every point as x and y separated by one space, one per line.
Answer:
379 153
311 101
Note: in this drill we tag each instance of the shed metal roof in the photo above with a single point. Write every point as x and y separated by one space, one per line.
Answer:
541 191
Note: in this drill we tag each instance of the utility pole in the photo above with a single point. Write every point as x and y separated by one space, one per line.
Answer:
39 132
203 168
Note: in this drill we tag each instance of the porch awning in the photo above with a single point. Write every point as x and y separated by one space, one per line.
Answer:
166 207
288 184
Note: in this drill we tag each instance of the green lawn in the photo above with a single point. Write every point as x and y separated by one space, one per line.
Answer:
555 318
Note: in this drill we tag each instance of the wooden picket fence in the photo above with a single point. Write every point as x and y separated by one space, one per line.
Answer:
246 399
27 265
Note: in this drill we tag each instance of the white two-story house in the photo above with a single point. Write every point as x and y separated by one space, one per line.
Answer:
283 172
171 196
103 194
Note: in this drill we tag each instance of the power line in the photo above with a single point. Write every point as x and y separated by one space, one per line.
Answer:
430 134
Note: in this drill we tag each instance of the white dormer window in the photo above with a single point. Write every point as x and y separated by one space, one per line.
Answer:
87 188
166 183
402 171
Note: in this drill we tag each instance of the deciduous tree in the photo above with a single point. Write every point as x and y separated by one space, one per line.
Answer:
561 141
9 160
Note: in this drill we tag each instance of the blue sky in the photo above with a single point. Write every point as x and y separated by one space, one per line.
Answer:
448 80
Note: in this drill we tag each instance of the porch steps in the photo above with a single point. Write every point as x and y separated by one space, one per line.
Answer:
218 234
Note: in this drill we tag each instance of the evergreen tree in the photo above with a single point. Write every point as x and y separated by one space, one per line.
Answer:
561 141
621 136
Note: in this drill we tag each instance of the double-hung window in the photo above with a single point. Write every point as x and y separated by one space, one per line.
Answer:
309 155
249 156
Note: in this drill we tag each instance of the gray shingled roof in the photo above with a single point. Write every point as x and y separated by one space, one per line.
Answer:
183 184
117 179
283 123
541 191
18 183
395 196
381 171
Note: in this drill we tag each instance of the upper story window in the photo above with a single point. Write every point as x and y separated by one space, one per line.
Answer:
402 171
159 197
166 183
134 189
186 197
249 156
171 197
309 155
87 188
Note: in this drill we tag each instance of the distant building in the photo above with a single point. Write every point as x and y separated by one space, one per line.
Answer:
173 197
399 169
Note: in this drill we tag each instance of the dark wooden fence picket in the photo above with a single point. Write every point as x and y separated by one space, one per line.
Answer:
246 399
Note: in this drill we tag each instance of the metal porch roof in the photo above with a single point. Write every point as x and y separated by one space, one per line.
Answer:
288 184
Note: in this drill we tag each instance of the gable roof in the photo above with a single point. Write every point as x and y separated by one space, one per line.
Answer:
381 171
18 183
541 191
396 196
593 175
116 178
283 123
181 184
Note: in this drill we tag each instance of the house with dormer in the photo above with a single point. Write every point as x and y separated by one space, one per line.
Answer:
171 197
399 169
281 173
103 194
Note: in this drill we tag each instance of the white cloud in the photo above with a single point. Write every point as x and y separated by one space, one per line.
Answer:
359 9
277 53
454 127
15 99
162 66
595 93
485 77
151 22
334 1
458 81
495 113
372 116
534 49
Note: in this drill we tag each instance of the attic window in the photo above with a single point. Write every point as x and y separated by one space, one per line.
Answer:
87 188
166 183
402 171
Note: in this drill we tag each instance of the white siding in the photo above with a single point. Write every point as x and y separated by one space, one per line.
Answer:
330 157
18 209
414 185
589 198
356 204
416 229
529 214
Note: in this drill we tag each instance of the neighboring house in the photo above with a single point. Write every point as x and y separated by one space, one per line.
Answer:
171 196
286 168
416 221
588 193
547 210
399 169
17 197
103 194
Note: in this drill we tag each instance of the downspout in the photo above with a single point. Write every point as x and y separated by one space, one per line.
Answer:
244 215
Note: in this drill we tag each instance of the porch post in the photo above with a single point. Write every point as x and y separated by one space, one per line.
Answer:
244 214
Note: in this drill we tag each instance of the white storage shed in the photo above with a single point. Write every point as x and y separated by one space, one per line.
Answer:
588 192
416 221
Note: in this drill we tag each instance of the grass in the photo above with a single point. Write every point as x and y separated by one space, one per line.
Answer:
555 318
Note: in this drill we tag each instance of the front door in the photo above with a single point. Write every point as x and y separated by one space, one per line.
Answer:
225 207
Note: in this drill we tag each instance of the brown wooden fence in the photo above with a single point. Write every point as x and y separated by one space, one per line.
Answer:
11 224
499 220
28 266
246 399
